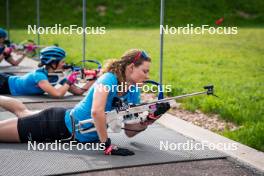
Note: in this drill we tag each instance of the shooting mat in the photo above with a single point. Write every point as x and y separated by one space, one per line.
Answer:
27 65
46 99
17 160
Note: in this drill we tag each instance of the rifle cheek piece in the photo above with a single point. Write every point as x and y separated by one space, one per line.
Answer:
67 66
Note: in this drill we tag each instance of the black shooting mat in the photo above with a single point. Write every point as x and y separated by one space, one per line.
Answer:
17 160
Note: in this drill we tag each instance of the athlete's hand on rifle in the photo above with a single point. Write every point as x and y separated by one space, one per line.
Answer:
30 47
90 75
161 108
7 51
111 149
71 79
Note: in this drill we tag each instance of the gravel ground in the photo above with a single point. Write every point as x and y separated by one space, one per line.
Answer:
211 122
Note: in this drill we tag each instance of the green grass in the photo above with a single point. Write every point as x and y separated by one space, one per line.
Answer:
135 13
233 63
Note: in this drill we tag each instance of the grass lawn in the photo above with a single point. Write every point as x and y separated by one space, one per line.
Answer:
233 63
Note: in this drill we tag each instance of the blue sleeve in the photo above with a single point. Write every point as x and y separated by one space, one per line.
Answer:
39 76
108 79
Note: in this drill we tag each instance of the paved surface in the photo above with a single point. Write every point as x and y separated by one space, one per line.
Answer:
220 167
242 152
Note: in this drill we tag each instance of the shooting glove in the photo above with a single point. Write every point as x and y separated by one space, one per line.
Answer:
161 108
90 74
71 79
30 47
114 150
7 52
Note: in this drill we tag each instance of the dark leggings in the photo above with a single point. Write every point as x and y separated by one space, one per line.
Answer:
45 126
4 87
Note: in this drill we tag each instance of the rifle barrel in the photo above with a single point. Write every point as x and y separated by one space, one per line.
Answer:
178 97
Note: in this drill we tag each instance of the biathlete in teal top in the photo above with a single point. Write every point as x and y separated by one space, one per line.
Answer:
6 50
118 82
38 82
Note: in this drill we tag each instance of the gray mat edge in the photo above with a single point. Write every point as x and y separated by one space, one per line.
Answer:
139 165
25 99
